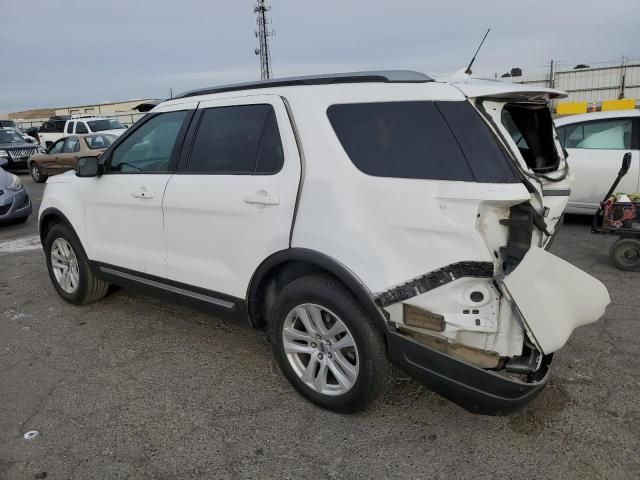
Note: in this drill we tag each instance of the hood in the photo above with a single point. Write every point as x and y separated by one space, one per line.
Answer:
5 146
5 179
474 88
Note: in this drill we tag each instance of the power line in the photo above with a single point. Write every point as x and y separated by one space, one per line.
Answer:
263 33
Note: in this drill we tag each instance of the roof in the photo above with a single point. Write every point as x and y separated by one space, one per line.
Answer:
585 117
383 76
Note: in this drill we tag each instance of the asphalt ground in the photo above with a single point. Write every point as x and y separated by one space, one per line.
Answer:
132 387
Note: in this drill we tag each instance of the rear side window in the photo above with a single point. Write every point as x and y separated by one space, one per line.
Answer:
70 127
81 127
614 134
240 139
422 139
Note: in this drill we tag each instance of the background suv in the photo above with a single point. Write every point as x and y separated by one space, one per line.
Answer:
360 219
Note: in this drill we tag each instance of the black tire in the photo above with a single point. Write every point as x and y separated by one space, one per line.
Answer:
625 254
373 366
90 288
37 173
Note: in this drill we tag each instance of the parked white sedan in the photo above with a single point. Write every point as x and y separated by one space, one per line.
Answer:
596 143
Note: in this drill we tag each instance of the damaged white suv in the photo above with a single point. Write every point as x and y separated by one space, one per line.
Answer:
362 219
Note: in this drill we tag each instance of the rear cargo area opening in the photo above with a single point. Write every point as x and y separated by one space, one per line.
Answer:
531 128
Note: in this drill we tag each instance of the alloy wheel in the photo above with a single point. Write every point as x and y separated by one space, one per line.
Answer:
35 172
320 349
65 265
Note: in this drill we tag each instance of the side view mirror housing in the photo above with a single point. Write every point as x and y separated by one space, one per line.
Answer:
87 167
30 140
626 164
3 162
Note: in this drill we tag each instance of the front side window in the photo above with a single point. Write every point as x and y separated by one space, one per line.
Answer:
71 145
613 134
419 139
150 147
81 127
241 139
57 147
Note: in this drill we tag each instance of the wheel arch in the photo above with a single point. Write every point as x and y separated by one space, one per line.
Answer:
50 217
285 266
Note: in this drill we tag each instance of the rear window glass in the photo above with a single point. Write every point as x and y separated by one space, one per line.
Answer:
418 140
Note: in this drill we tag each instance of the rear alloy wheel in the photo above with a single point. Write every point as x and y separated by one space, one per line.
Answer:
625 254
326 345
320 349
37 173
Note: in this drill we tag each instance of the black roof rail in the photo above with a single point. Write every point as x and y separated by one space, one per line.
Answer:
384 76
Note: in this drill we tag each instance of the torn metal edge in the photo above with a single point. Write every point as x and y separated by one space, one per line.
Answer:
432 280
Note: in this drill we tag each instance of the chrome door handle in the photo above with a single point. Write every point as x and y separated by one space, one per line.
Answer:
261 197
142 194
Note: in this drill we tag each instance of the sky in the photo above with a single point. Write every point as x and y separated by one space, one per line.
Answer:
56 53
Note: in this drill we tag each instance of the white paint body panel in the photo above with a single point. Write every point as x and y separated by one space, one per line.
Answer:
123 229
214 238
554 297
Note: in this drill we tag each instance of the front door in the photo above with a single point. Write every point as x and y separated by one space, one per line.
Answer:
232 205
123 207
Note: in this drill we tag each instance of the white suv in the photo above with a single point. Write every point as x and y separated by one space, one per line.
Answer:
362 219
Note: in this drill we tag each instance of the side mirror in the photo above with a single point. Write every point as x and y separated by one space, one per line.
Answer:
87 167
30 140
3 162
626 164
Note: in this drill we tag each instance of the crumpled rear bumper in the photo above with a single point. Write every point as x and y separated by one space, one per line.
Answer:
474 389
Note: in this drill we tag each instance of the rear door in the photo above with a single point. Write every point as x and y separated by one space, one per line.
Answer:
595 151
232 203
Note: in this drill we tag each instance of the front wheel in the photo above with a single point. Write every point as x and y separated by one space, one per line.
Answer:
327 346
37 173
69 269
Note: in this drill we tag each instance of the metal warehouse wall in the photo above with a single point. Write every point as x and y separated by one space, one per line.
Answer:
593 84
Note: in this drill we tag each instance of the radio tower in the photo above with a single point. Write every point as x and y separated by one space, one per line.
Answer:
262 34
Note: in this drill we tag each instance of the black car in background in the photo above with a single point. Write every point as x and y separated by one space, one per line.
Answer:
14 149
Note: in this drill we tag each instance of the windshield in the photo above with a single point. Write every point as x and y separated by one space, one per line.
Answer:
96 142
106 124
9 136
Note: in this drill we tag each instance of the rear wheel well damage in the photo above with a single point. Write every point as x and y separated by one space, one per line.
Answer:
285 266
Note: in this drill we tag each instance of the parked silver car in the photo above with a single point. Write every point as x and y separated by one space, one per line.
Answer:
15 203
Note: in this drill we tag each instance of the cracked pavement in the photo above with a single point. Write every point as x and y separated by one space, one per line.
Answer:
132 387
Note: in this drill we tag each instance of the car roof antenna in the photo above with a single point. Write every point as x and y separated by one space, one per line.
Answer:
468 70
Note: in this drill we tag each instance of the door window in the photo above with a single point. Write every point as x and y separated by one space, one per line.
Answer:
399 139
57 147
71 145
70 127
241 139
613 134
150 147
81 127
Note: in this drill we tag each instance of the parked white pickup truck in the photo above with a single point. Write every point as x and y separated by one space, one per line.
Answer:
56 128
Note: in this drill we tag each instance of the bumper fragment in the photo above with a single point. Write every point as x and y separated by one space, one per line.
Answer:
474 389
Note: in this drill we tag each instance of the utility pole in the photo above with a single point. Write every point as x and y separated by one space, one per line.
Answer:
262 34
